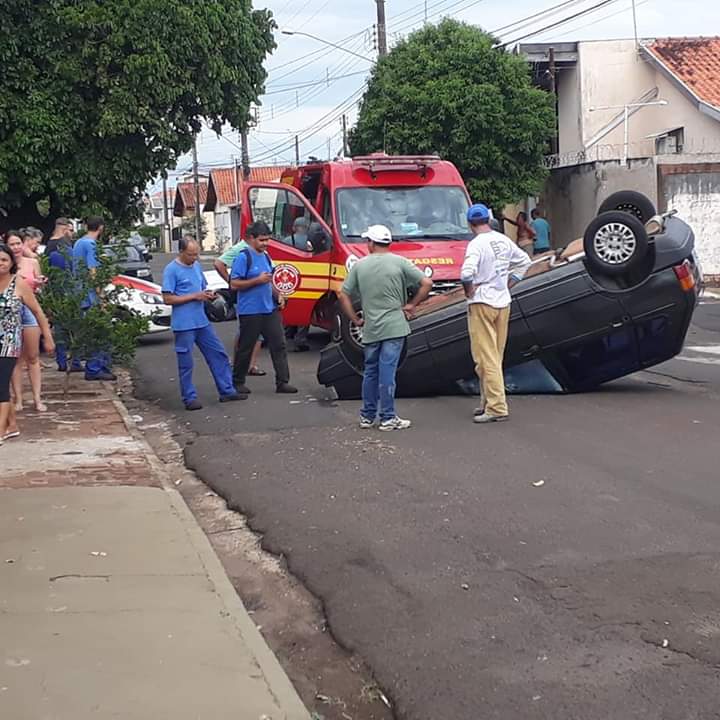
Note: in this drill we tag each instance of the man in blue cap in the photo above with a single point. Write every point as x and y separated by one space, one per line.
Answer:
492 260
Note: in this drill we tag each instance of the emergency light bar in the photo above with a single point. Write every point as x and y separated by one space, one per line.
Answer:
389 163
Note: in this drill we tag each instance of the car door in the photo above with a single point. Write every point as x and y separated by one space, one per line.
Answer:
583 333
302 260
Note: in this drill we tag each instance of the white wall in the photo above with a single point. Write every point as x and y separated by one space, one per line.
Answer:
569 116
696 197
613 72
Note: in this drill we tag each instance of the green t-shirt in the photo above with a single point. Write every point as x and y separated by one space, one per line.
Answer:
228 257
381 281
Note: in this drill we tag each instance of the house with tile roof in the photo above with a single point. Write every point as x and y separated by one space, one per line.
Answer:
184 207
224 198
642 116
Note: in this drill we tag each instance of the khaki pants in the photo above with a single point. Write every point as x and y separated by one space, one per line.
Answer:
488 328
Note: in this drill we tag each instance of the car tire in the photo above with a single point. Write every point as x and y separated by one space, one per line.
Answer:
220 309
632 202
350 340
615 244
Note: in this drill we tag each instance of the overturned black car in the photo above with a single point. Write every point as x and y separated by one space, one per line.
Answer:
615 302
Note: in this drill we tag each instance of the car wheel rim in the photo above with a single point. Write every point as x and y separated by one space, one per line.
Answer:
356 332
615 243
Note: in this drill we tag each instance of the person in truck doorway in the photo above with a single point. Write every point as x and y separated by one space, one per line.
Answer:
258 309
492 261
381 282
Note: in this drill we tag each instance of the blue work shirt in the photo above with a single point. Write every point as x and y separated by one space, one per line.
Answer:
84 252
542 234
257 300
179 279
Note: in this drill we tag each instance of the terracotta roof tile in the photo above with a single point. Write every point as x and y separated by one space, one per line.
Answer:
225 189
185 197
694 61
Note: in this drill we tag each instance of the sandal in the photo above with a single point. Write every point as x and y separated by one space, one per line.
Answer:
41 407
256 372
10 435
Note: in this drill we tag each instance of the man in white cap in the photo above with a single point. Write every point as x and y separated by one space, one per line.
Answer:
492 262
381 281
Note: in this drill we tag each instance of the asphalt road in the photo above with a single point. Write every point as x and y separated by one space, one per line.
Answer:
562 565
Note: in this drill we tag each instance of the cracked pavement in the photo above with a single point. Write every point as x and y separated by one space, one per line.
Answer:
470 592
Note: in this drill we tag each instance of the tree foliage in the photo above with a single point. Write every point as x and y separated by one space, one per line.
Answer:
98 97
445 89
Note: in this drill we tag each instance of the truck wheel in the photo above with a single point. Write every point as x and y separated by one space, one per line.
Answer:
615 243
630 201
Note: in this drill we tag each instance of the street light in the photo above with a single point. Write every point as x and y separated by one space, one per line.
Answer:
326 42
626 115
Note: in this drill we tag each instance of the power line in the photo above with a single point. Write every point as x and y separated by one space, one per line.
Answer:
290 107
324 81
599 20
318 125
558 23
529 18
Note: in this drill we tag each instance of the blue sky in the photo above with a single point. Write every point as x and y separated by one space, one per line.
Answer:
311 84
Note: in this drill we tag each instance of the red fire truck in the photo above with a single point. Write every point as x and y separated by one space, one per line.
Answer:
318 212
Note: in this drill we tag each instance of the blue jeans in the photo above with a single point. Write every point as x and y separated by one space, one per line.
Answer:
215 357
381 362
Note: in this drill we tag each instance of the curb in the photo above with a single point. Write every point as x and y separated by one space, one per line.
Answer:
277 681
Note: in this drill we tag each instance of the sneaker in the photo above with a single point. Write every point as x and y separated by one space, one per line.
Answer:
101 376
478 411
286 389
366 423
193 405
232 397
485 418
395 423
243 389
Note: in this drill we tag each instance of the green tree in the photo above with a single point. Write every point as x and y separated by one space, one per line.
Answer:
445 89
97 97
106 326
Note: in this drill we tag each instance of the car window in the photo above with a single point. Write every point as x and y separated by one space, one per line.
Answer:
291 223
123 253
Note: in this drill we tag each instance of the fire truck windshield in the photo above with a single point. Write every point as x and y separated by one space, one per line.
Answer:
412 213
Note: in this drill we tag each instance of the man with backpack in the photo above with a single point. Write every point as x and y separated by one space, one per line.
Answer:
258 309
223 266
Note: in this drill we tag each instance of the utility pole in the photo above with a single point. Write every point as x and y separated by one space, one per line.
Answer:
166 221
196 181
426 12
553 90
297 151
345 136
245 159
637 42
382 28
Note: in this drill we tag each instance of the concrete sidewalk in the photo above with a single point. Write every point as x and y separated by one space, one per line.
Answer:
112 602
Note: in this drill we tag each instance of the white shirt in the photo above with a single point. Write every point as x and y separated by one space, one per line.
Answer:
489 260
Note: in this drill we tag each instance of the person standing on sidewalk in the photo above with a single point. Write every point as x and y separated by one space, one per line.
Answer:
381 281
223 266
184 288
28 269
258 310
15 296
61 237
98 365
492 260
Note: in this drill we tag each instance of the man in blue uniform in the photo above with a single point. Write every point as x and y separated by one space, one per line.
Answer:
184 288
